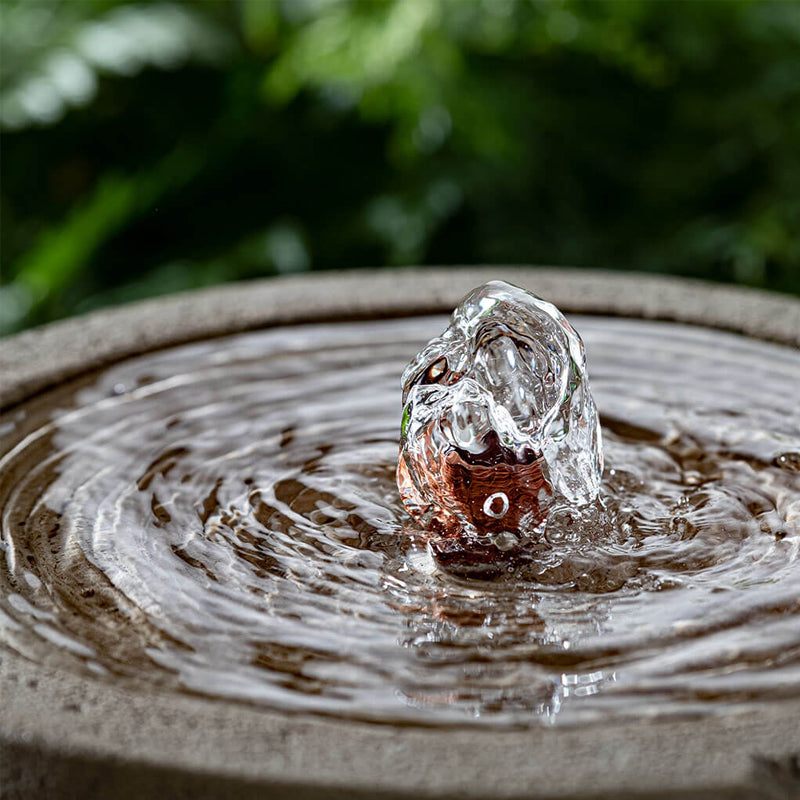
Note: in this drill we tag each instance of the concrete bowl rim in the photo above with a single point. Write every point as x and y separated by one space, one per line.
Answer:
49 713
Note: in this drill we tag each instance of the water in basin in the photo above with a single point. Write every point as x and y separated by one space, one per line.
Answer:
222 518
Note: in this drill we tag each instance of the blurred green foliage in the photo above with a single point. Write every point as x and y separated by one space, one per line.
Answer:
151 147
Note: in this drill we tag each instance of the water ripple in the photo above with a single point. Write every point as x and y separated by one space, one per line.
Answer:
222 518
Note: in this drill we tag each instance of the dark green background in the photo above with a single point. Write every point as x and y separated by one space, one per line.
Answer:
152 147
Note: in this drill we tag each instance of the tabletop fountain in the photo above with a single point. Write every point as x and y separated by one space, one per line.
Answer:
208 566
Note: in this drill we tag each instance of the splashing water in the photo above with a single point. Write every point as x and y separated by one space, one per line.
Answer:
498 420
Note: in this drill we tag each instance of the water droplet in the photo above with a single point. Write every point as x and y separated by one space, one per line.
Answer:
788 461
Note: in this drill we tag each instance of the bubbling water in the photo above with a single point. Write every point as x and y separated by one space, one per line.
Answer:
498 420
222 518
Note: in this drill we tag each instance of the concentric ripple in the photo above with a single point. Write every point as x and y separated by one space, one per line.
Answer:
222 518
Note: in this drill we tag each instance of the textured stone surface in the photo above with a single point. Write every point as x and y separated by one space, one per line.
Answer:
70 736
31 361
63 735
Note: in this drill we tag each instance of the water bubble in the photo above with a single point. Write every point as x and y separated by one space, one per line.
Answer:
498 419
496 505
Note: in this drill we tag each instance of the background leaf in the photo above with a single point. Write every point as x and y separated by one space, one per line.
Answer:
153 147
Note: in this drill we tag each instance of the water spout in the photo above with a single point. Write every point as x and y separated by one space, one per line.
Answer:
498 420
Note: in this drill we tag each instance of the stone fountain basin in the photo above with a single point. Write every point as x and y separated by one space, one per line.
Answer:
64 735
